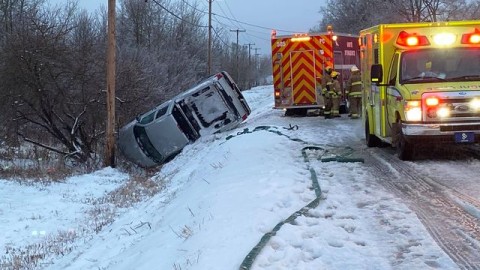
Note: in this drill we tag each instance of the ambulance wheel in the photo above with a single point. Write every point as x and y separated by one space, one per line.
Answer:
405 149
370 139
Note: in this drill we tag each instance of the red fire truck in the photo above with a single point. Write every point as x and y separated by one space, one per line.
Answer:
298 64
346 54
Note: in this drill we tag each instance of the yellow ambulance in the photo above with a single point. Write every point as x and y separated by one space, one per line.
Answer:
421 84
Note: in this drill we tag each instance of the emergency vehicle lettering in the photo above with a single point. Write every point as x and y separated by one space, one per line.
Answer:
350 53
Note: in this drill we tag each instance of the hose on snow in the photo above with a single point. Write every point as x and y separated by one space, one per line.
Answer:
344 155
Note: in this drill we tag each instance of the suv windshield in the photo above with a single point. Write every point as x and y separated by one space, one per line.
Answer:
456 64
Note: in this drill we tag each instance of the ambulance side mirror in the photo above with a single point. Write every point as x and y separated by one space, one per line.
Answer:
376 73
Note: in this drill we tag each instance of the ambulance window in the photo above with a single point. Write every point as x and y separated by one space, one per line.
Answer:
393 70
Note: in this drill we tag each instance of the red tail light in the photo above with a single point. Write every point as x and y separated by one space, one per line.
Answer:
219 76
277 93
471 38
412 40
244 117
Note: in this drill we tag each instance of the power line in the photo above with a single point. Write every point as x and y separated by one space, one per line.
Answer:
230 11
220 38
253 25
190 5
236 24
248 31
176 16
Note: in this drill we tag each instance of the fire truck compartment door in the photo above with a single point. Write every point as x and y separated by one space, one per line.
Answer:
302 65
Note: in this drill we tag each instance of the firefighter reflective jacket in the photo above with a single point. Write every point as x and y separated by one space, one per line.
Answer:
332 89
354 85
326 83
335 89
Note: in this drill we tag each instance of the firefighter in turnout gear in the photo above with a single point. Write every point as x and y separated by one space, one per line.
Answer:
332 99
354 92
326 78
335 90
326 84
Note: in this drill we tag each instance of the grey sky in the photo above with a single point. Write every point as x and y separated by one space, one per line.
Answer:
257 17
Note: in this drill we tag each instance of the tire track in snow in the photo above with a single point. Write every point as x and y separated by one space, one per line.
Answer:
454 228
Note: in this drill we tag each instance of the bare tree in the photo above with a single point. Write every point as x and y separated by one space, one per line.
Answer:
474 9
350 16
53 66
53 84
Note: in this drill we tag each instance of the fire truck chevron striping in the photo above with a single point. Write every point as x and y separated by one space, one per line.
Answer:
298 62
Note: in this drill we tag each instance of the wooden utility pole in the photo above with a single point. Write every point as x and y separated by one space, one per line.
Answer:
236 53
249 48
249 72
110 132
209 68
256 64
256 56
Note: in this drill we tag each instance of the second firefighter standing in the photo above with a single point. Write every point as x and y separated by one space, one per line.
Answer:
331 94
354 92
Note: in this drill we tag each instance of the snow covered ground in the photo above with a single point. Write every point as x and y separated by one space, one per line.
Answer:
221 195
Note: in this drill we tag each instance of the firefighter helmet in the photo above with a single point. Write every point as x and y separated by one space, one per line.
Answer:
334 74
354 68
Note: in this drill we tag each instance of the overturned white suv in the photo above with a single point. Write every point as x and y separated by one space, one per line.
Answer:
214 105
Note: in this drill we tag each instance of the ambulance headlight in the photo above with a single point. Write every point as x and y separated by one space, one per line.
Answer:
414 114
444 39
475 104
413 110
443 112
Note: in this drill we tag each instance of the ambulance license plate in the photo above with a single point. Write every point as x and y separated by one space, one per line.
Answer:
464 137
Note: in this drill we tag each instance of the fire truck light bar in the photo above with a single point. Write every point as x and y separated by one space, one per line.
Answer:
299 39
